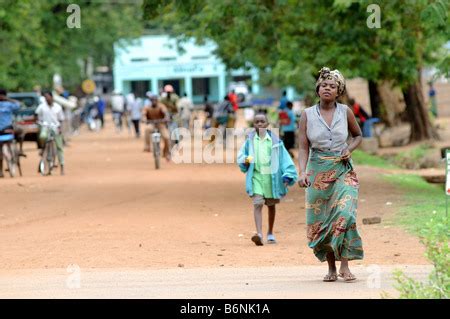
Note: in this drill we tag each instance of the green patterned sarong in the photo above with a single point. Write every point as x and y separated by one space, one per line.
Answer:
331 203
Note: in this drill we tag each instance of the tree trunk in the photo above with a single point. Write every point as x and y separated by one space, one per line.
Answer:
421 128
375 99
391 103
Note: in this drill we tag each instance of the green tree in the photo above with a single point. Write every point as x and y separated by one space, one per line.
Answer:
291 40
36 41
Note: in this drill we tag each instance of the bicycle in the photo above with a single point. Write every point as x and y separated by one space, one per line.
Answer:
11 153
48 154
156 140
117 119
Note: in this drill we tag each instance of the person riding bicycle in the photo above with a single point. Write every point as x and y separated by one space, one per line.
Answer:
156 111
170 99
51 113
7 109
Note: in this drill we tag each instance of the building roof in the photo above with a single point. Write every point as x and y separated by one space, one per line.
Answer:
158 49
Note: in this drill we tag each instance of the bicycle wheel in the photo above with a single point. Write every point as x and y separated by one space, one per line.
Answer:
52 156
10 159
156 154
45 167
16 152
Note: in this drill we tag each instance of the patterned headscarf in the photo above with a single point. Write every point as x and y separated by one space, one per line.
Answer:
335 75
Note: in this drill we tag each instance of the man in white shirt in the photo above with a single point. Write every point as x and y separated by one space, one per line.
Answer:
50 116
118 109
136 114
185 108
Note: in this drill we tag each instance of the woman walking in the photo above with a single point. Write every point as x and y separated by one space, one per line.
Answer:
327 173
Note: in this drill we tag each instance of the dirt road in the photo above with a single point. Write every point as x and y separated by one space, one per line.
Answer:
114 210
203 283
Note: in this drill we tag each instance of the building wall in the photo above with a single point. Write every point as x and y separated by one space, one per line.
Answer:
156 59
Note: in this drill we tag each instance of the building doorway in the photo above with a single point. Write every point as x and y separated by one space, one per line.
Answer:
139 88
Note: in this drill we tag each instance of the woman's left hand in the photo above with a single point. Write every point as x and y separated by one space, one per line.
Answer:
346 154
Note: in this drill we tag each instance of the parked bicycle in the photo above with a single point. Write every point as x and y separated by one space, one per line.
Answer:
49 151
11 153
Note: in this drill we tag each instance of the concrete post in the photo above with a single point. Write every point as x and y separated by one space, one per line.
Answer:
154 85
222 86
188 86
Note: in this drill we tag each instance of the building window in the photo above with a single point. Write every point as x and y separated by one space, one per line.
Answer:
139 88
200 86
242 78
139 59
200 57
167 58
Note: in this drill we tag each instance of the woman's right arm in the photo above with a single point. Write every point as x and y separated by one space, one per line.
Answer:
303 153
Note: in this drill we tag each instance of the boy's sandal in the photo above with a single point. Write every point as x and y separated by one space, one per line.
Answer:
257 240
271 239
347 276
330 278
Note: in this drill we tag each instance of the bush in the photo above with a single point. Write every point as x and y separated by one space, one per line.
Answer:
415 158
435 237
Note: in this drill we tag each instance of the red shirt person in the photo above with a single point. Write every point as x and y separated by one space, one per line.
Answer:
360 113
233 100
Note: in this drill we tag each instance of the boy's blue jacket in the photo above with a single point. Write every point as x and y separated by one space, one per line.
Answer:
281 164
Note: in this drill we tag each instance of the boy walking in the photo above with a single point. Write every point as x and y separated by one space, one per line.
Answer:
269 171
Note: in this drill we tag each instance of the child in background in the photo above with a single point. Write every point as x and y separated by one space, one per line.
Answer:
288 127
269 169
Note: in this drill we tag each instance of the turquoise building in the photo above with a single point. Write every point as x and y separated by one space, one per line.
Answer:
153 61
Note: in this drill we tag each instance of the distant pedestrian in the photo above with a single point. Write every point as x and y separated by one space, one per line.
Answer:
101 106
136 115
129 101
283 101
8 108
209 111
360 114
221 116
233 98
289 127
433 101
185 109
364 120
